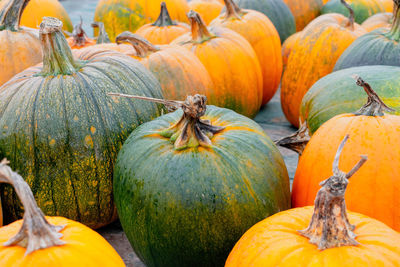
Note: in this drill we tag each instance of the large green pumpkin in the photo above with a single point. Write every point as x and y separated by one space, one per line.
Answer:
379 47
277 11
363 9
62 132
337 93
185 204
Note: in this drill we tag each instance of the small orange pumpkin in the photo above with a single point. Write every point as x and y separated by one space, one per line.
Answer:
231 62
263 37
208 9
164 30
79 38
380 20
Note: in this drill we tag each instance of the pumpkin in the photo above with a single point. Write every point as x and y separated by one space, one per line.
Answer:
380 20
231 62
313 56
79 39
263 37
277 11
163 30
387 4
304 11
380 47
332 236
19 48
288 46
178 70
337 93
62 131
373 133
363 9
218 174
130 15
208 9
49 241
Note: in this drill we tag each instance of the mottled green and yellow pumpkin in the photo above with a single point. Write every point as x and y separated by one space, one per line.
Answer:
313 56
363 9
277 11
380 47
129 15
208 9
304 11
336 93
216 174
380 20
19 48
231 62
63 132
263 37
49 241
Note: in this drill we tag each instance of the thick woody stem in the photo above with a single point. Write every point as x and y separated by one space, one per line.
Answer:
79 35
351 17
36 232
10 14
190 130
232 9
329 226
164 18
199 29
142 46
374 105
296 141
102 38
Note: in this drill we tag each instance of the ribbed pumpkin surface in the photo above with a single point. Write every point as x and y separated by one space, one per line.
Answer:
189 207
363 9
304 11
62 133
380 20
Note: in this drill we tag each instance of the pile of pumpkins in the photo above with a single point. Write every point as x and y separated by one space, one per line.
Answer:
151 122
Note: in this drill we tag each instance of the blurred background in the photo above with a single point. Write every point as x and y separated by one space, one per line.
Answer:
81 8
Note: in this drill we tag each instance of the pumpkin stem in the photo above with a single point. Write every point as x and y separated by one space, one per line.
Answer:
394 32
79 35
330 226
10 14
164 18
351 17
57 55
232 10
36 232
142 46
102 38
374 105
190 130
296 141
199 29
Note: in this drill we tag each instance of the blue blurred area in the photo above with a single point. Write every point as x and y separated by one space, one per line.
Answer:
84 8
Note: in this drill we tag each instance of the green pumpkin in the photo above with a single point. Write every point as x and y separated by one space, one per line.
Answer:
62 132
379 47
363 9
337 93
184 199
277 11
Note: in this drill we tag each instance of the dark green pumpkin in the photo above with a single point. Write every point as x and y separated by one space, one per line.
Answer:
277 11
379 47
363 9
189 207
62 132
337 93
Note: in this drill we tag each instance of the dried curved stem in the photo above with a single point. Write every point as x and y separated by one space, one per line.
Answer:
199 29
374 105
351 17
394 33
296 141
10 14
102 38
142 46
329 226
232 9
36 232
164 19
79 35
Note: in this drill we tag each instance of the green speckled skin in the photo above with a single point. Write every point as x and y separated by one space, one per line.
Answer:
190 207
63 133
363 9
337 93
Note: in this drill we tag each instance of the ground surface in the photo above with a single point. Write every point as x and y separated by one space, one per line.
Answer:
270 118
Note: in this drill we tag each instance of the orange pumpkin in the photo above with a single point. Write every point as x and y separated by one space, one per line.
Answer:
313 56
231 63
208 9
333 237
304 11
380 20
79 39
288 46
373 133
263 37
387 4
19 48
49 241
163 30
178 70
